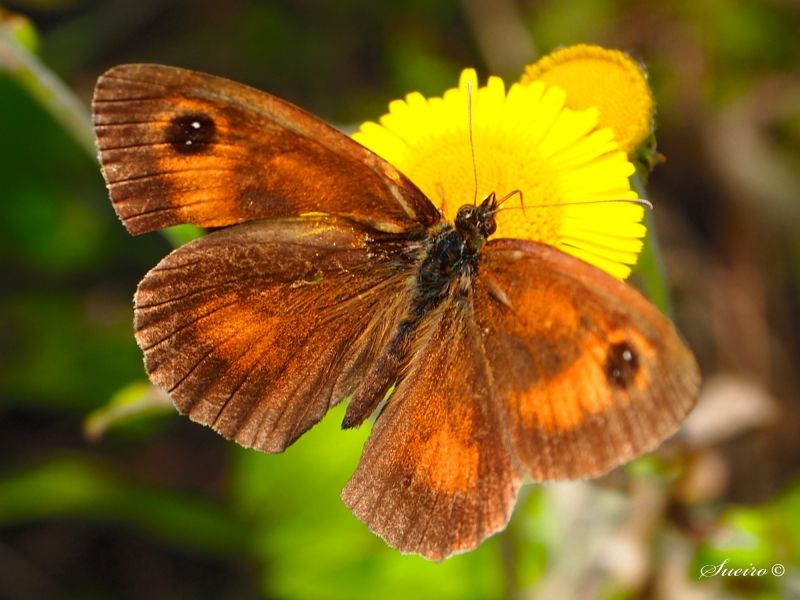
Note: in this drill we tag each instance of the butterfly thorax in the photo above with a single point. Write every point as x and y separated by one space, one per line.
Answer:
450 260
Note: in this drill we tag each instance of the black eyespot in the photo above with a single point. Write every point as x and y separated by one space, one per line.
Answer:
192 133
622 364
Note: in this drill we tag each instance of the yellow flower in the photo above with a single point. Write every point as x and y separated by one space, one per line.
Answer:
605 79
526 140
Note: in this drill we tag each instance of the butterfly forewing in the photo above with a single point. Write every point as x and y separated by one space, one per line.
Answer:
589 374
259 328
183 147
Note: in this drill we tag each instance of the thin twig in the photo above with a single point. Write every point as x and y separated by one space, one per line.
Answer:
47 89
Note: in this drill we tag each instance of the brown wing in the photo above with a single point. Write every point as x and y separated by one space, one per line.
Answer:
589 373
436 476
258 329
178 146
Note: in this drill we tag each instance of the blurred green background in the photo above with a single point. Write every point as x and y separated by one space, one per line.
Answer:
158 507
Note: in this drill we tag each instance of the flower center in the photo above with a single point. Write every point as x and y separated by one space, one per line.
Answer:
442 168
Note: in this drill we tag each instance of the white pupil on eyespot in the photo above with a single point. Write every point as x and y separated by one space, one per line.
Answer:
627 355
196 125
188 142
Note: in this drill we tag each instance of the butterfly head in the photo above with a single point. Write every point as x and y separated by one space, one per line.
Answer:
478 220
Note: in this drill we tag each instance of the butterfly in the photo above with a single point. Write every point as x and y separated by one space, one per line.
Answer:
330 276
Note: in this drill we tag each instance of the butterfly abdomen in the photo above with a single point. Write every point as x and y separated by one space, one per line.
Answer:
446 269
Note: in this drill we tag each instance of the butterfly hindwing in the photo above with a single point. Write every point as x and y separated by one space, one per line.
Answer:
178 146
589 374
436 476
259 328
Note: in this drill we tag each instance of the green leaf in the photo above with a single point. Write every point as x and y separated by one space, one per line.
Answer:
82 487
135 400
182 234
312 546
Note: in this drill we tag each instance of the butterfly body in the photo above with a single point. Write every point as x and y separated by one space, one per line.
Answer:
334 277
445 269
453 256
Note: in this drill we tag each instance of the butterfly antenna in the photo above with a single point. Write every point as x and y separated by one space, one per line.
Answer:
510 195
471 143
640 201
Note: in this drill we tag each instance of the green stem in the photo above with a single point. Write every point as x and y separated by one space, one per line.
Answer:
47 89
651 264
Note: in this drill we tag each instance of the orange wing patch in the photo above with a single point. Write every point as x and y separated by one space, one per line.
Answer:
586 387
448 459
